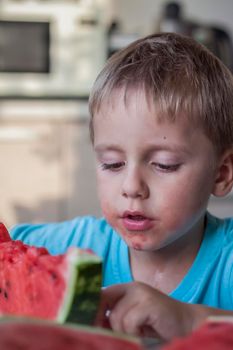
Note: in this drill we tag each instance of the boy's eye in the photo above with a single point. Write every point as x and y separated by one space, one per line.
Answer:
112 166
166 167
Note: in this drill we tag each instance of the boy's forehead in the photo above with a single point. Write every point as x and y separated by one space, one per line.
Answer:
135 100
123 99
132 103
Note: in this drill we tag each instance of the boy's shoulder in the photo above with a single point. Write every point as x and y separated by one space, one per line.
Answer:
86 231
223 227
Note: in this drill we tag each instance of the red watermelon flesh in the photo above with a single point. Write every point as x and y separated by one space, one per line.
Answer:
211 336
36 284
15 335
4 235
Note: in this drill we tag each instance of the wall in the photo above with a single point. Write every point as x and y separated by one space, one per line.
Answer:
142 15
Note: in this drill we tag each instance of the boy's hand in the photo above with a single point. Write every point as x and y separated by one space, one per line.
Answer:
139 309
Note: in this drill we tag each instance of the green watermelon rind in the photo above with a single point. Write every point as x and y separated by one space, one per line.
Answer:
76 327
82 296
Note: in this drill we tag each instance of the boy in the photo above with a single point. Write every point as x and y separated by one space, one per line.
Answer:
162 131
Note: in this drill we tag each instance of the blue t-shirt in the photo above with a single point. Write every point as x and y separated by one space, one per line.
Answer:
209 280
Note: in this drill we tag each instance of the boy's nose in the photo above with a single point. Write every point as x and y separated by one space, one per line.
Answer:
134 186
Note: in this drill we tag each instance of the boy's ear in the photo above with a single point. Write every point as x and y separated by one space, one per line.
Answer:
224 176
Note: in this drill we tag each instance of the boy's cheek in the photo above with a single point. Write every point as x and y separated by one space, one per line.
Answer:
102 189
106 207
110 216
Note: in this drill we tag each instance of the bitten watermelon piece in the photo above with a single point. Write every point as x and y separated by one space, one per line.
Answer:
15 335
35 284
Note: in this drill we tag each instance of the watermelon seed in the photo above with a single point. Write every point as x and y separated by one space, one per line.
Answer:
8 284
0 290
30 270
53 275
5 295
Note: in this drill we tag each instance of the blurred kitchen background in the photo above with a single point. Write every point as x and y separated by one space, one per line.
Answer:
50 54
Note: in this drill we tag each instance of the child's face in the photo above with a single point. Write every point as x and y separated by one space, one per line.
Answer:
154 178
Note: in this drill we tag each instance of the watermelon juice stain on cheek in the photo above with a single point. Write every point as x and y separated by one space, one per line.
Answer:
135 240
137 246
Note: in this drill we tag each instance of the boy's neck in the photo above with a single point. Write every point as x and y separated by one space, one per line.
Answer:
164 269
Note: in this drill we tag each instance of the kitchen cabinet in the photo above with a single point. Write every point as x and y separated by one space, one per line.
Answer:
47 171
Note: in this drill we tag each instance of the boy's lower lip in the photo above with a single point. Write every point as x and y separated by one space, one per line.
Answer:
137 225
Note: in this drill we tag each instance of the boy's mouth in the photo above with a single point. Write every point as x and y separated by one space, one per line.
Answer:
136 221
135 217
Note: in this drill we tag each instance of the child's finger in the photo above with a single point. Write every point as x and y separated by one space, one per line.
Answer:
109 297
121 308
130 307
137 321
132 312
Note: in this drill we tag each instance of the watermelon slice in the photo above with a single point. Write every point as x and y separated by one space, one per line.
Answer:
35 284
214 335
4 235
16 335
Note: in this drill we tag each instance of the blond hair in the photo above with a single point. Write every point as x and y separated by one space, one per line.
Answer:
182 77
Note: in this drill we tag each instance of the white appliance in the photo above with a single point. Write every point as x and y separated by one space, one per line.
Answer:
50 48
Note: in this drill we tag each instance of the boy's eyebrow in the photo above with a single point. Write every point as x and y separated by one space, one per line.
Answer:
150 148
168 147
105 147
